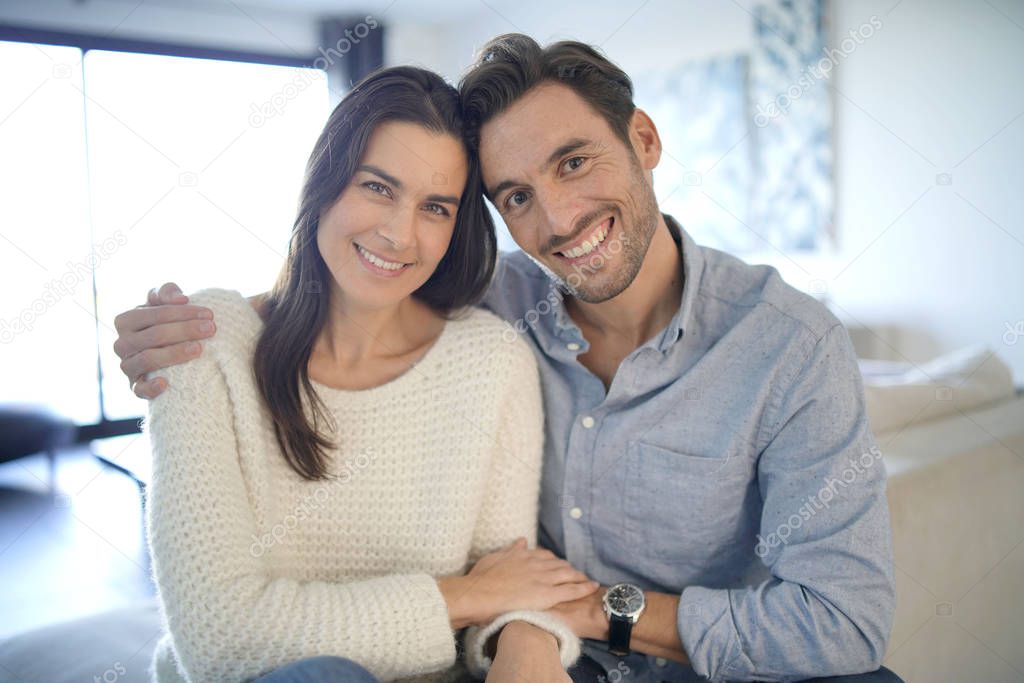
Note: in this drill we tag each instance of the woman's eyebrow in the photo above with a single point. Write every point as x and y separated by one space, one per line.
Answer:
443 199
381 173
384 175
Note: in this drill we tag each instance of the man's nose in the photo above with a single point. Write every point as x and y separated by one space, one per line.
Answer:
560 208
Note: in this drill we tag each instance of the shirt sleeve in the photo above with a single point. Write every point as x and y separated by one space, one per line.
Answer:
511 504
229 615
824 535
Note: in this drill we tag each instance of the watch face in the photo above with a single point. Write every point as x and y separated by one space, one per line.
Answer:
625 599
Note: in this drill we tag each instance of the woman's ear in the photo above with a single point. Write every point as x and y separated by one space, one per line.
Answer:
646 141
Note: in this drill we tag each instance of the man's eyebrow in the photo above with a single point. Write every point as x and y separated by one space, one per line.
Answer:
570 146
382 174
566 148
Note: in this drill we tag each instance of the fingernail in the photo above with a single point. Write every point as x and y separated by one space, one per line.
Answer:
192 348
206 313
206 326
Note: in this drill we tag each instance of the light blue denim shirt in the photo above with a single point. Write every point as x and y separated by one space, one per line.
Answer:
730 462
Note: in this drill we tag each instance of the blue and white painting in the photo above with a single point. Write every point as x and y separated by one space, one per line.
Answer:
748 154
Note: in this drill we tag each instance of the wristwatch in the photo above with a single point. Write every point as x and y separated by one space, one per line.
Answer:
623 603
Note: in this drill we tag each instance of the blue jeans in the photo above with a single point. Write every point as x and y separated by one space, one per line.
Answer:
323 669
587 670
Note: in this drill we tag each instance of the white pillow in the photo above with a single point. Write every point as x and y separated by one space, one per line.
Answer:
901 394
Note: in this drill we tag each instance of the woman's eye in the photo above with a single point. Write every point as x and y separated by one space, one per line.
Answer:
573 163
438 209
515 199
379 188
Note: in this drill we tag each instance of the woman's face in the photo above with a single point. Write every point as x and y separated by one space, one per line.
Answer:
386 233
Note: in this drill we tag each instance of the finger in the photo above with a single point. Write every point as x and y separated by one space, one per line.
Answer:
551 564
567 592
544 554
152 298
170 293
152 360
148 389
518 544
163 334
142 317
567 575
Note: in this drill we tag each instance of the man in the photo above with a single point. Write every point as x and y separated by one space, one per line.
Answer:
708 452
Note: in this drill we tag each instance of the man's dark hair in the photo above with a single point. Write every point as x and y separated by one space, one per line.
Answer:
510 65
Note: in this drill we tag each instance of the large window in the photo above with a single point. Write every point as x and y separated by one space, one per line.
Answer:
122 170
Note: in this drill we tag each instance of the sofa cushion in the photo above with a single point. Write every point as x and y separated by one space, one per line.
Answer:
901 394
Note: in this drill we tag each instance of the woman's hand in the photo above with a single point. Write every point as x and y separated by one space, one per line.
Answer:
585 616
513 578
526 653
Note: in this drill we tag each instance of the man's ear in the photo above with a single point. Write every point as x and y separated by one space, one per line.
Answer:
646 141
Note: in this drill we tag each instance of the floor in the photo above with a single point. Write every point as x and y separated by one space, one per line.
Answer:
66 556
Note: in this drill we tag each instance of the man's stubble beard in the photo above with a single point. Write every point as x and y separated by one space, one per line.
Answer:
633 250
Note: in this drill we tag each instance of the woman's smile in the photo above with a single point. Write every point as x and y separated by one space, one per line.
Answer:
377 264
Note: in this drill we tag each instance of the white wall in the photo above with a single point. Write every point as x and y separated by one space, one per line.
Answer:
932 92
936 90
914 101
637 35
193 22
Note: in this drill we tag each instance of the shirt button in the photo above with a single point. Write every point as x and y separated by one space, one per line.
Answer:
660 661
588 422
575 513
572 346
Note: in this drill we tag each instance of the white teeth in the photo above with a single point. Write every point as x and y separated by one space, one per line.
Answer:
588 245
379 262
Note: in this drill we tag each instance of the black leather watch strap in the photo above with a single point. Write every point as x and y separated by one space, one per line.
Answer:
619 631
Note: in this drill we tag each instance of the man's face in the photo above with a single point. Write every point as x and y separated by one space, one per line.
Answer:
575 197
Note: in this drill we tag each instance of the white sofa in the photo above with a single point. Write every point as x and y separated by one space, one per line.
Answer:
952 435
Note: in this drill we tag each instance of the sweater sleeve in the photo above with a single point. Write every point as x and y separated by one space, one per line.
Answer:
510 503
230 617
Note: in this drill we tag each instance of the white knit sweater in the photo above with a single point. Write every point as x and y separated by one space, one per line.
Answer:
257 567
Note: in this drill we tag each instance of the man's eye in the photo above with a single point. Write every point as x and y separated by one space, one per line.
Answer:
516 199
573 163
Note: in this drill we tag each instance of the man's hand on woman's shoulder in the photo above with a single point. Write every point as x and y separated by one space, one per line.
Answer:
163 332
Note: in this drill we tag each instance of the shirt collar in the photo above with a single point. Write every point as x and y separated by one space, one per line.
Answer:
693 270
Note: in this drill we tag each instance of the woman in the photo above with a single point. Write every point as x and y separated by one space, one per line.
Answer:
344 450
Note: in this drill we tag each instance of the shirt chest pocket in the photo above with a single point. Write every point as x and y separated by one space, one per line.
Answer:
688 509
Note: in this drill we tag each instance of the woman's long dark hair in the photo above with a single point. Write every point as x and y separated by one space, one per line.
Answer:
296 309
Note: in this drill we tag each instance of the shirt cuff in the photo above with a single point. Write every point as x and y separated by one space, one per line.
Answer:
708 632
476 639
